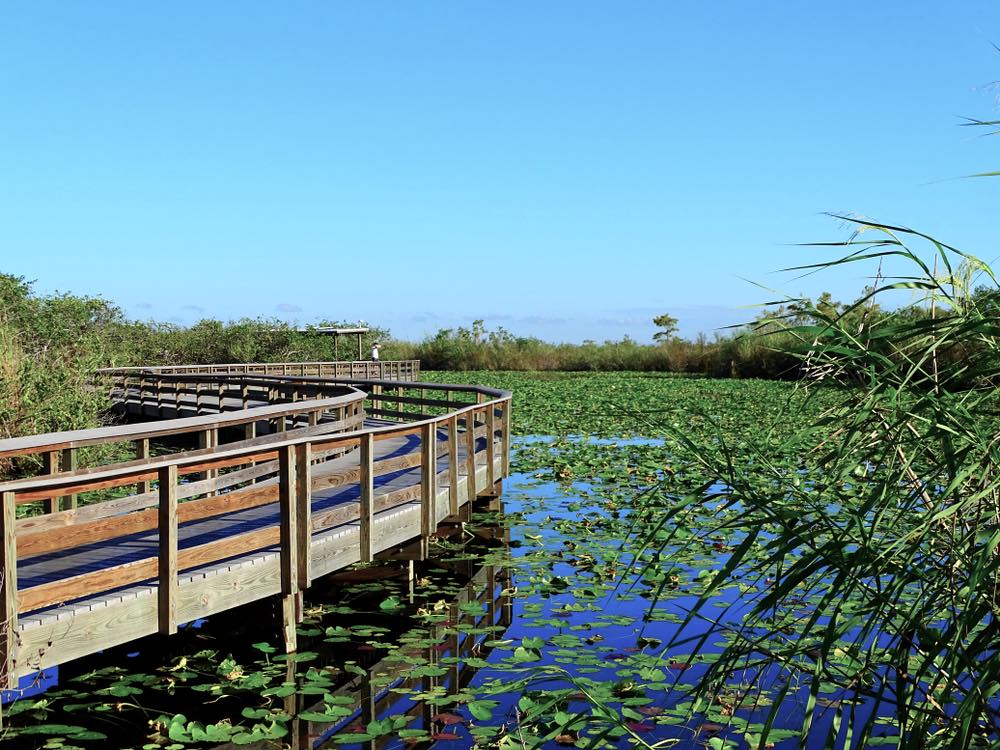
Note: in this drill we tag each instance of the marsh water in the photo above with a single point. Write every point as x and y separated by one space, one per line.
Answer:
545 624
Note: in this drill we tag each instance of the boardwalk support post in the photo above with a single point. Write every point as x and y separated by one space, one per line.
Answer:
491 428
303 509
428 486
366 454
290 593
470 455
452 465
506 422
167 513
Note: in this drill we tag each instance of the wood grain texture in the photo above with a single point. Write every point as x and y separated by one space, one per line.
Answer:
470 456
8 592
303 514
367 497
428 483
453 465
288 536
490 444
167 563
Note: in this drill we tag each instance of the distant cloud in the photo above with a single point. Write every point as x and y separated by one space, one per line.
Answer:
424 317
287 307
542 320
194 308
626 320
143 306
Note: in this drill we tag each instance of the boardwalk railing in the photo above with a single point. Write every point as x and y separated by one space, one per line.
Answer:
407 369
201 531
261 407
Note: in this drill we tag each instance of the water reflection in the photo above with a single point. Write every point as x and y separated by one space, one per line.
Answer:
444 652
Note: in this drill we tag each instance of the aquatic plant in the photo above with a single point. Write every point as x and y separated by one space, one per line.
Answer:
866 538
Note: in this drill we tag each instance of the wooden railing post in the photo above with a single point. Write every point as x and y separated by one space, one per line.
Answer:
68 463
50 461
303 511
288 480
142 453
366 506
222 396
289 540
209 439
470 455
8 592
505 443
453 465
428 485
167 524
490 449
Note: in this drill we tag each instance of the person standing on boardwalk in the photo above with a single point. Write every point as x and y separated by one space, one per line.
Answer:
374 351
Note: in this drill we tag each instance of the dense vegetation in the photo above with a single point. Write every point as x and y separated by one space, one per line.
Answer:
50 345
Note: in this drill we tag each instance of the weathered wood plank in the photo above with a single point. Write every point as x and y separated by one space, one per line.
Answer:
367 497
68 464
288 520
453 465
167 563
86 584
142 454
50 465
428 484
303 513
8 592
55 642
490 444
507 403
470 455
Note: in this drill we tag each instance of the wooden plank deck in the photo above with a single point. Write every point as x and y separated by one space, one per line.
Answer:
275 525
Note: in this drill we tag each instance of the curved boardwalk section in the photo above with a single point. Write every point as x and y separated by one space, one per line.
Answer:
239 486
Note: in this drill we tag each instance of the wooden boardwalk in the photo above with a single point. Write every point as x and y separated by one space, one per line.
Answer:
295 477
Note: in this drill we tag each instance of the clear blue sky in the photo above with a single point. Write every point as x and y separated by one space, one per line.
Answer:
565 170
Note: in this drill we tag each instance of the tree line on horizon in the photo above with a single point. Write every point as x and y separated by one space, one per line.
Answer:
50 346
